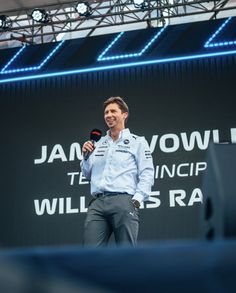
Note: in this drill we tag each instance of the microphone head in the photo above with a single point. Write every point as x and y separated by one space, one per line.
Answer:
95 134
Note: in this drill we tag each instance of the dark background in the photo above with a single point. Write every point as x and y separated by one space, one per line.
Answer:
175 97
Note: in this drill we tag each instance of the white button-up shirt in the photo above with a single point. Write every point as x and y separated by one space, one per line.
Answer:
124 165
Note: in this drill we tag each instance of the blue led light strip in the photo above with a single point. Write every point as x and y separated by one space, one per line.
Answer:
13 58
117 66
209 43
100 57
131 55
4 71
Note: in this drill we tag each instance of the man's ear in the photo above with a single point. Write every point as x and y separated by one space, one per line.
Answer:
125 115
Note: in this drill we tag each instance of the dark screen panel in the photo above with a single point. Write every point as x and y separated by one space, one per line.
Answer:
169 103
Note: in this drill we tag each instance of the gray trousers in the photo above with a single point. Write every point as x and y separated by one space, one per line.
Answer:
111 214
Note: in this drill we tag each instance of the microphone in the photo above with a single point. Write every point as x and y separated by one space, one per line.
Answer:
95 135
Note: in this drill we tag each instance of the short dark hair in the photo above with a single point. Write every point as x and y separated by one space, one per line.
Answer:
119 101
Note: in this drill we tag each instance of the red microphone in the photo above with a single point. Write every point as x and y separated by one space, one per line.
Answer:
95 135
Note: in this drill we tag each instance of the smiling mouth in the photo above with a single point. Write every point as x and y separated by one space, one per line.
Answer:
110 121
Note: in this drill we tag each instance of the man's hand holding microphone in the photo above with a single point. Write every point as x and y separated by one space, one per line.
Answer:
89 146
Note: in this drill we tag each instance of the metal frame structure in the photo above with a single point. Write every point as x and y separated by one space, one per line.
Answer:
106 14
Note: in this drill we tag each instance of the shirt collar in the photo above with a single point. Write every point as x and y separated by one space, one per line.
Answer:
123 133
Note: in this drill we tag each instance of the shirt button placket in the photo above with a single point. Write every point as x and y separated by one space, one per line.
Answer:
107 164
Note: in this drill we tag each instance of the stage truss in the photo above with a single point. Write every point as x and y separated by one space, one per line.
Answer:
108 16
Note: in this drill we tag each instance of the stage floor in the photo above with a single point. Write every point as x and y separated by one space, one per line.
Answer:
193 266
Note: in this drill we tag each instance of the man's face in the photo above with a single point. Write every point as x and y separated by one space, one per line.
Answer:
114 117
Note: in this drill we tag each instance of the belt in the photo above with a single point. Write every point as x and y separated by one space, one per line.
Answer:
109 193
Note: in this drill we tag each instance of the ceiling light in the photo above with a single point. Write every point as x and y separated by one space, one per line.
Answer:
139 3
83 8
40 15
5 22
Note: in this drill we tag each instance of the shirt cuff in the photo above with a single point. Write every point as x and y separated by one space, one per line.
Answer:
139 197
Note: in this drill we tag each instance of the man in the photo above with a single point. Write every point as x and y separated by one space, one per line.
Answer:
121 172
